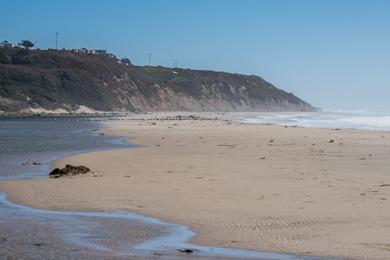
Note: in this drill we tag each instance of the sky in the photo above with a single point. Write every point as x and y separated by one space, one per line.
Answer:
334 54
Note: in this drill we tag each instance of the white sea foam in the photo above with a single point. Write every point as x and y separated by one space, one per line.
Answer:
354 120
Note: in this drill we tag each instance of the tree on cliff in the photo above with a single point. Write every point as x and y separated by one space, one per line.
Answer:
26 44
126 61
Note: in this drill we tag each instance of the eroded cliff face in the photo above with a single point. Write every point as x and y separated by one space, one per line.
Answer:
64 81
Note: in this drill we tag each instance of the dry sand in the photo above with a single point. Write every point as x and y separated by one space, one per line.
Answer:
261 187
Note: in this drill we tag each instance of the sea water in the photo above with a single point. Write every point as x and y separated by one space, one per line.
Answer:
350 120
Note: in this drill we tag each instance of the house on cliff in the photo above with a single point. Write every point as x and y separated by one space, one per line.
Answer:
6 45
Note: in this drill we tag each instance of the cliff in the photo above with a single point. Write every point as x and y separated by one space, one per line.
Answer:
66 81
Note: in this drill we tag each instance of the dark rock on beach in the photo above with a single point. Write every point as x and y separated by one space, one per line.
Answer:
69 170
186 250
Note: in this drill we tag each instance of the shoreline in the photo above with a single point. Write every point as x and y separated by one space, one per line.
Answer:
133 131
36 165
156 245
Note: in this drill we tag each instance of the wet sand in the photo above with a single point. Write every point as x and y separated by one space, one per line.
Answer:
34 234
318 192
51 234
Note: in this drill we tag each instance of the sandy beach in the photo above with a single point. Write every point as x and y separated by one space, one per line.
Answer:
316 192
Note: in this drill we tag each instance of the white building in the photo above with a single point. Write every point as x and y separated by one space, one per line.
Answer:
95 52
6 45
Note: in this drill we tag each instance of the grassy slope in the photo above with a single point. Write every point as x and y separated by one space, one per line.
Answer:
59 79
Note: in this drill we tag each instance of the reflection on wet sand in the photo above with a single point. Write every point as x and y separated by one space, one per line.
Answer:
39 233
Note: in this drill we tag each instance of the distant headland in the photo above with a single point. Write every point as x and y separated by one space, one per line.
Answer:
64 81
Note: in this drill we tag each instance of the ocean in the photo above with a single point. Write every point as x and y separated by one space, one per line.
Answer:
344 120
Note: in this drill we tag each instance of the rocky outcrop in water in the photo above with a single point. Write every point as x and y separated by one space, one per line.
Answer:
36 81
69 170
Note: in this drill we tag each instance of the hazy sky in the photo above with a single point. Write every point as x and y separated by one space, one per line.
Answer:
334 54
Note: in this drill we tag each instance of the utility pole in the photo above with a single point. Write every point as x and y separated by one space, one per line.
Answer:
150 55
56 40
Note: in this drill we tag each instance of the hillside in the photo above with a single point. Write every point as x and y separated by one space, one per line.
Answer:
48 80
